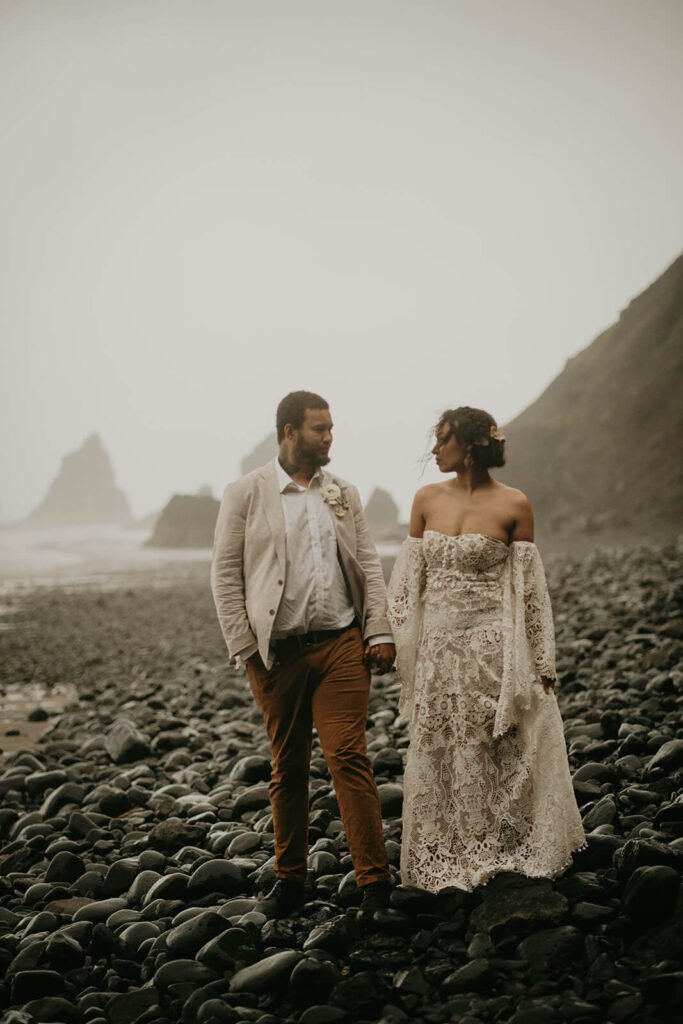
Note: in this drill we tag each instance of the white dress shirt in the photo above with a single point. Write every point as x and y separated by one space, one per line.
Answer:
315 595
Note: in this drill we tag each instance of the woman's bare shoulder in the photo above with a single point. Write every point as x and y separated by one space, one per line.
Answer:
514 496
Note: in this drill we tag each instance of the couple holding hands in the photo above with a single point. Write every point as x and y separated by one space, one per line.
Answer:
301 601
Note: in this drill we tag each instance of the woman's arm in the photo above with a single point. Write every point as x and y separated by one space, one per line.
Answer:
417 516
523 522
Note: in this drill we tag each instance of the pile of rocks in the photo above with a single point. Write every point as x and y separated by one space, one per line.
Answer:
136 838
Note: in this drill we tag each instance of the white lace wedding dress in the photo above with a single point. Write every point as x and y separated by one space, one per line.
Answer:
487 785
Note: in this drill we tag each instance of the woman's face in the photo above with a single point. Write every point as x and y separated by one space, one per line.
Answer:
448 452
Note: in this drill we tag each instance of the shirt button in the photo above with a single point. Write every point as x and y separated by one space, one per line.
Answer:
280 582
272 611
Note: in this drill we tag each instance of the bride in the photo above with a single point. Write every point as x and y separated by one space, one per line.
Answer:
487 785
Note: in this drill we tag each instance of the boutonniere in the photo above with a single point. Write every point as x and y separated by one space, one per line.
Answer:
336 497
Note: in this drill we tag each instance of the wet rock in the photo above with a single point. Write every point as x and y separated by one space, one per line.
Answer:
187 938
219 876
509 897
52 1008
35 984
270 973
125 743
551 948
669 756
253 768
651 893
335 936
128 1007
391 799
362 994
180 971
312 980
171 835
603 813
64 867
472 977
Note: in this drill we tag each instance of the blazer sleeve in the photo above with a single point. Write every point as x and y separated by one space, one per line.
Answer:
376 620
227 571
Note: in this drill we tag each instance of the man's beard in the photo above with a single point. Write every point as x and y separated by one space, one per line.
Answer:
303 453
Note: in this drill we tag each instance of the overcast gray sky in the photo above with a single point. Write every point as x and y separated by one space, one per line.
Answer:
404 206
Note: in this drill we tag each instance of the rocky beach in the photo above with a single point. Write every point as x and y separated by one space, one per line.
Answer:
135 832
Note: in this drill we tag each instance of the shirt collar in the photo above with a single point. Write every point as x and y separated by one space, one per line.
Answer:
285 481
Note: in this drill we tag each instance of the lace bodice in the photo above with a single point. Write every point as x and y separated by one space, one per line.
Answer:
466 580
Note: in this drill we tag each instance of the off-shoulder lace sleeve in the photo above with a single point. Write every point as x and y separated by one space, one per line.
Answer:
405 590
528 634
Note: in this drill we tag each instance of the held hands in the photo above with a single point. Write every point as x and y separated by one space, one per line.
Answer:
382 656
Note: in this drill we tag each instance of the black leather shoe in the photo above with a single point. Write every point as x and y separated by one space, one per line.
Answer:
375 896
286 896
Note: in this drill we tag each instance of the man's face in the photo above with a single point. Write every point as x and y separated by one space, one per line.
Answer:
311 442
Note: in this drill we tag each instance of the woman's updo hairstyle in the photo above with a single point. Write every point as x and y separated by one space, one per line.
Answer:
477 430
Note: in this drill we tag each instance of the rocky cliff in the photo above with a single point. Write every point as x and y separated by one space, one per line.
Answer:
262 453
599 450
187 521
84 491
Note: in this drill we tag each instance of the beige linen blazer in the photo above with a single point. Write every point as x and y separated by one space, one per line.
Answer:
248 568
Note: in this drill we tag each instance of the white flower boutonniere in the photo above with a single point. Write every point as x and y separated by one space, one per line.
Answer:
336 497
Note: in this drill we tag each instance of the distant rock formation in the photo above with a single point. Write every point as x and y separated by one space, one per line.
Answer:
187 521
262 453
381 513
84 492
599 451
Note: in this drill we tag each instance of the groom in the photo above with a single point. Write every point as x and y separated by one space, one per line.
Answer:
301 600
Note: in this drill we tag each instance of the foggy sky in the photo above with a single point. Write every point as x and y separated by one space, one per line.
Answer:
402 206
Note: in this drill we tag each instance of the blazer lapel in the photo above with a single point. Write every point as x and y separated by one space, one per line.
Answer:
272 507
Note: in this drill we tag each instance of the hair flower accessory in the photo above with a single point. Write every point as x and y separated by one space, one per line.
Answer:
498 434
336 497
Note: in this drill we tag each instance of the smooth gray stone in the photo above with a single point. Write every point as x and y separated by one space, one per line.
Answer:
226 949
136 933
253 799
472 977
254 768
187 938
67 793
335 936
120 877
100 910
64 867
244 844
551 947
603 813
312 980
53 1008
141 886
35 984
390 799
267 974
127 1007
217 875
38 782
168 887
669 756
651 894
179 971
125 743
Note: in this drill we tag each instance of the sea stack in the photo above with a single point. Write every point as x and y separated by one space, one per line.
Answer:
84 491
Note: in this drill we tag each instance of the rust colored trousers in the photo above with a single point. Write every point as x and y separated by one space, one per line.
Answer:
328 686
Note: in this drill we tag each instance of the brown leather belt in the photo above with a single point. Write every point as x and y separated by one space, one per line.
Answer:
300 641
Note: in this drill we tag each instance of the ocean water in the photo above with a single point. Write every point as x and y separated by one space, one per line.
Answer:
88 553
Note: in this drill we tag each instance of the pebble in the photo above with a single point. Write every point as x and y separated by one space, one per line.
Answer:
135 839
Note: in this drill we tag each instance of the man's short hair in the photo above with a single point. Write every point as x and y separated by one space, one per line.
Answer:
292 410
